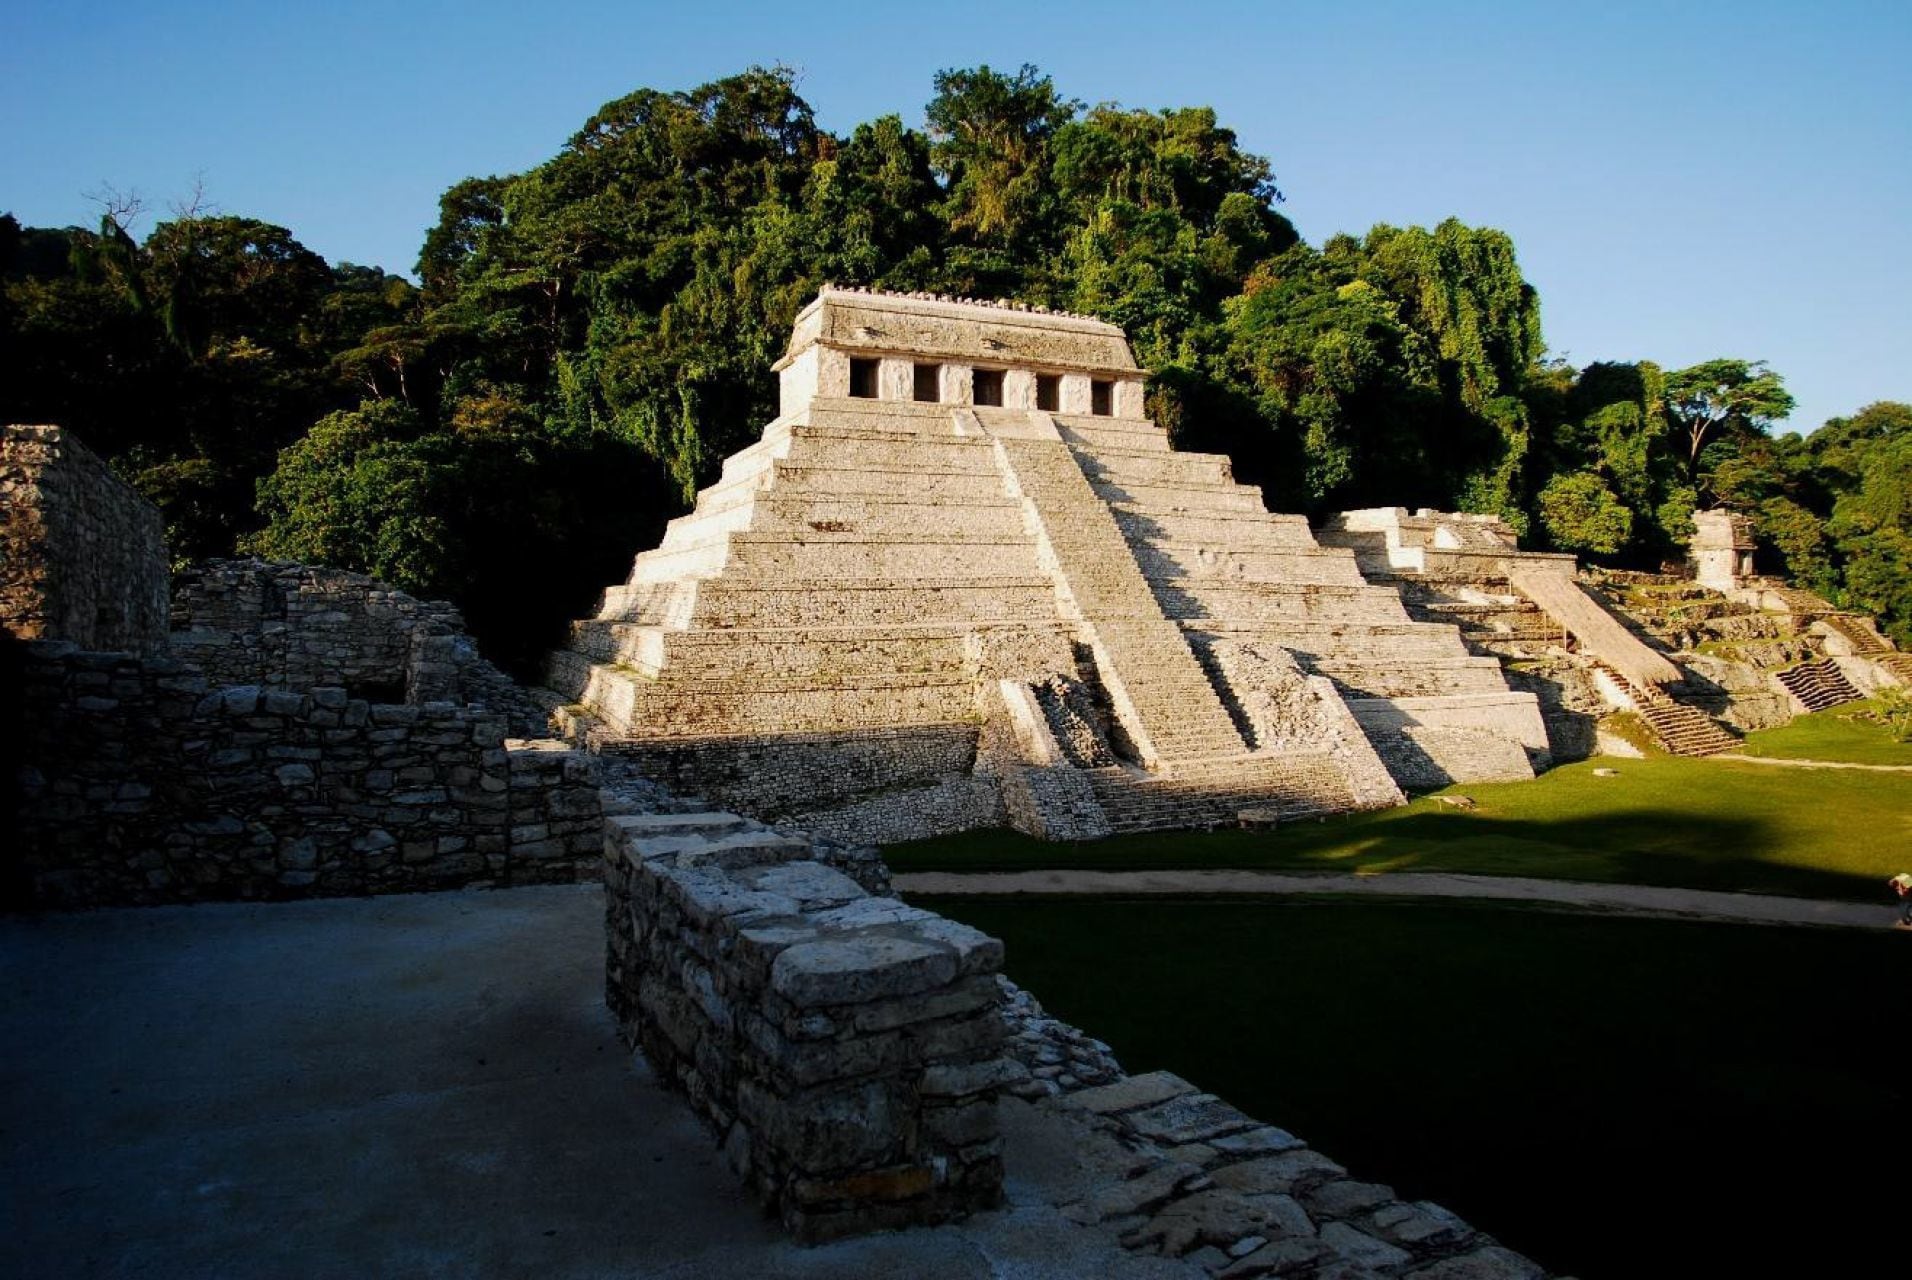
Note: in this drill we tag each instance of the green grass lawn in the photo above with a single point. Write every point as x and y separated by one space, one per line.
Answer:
1838 734
1708 824
1620 1098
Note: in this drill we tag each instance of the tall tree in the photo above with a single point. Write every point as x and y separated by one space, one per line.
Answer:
1723 400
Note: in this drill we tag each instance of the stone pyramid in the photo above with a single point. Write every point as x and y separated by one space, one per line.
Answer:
962 580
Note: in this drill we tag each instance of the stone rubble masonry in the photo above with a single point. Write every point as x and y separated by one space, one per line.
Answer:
305 732
142 782
846 1049
82 556
1182 1174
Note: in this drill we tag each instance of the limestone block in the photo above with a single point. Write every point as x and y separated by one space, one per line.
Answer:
811 885
860 968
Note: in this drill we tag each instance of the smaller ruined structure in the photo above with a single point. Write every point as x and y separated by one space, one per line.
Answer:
1687 657
82 557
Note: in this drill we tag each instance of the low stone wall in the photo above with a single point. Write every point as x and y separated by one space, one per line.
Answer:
1170 1170
82 556
1189 1176
140 782
846 1048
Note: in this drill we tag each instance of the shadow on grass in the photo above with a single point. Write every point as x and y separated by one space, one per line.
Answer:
1646 846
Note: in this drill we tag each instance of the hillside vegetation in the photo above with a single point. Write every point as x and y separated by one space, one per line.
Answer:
586 341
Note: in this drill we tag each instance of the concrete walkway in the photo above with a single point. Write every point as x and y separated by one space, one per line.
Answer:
1625 899
416 1086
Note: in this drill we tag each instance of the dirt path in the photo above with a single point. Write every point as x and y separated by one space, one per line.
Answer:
1625 899
1786 763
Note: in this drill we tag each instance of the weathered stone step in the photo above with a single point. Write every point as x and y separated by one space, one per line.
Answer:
1218 499
1297 565
979 600
889 450
939 482
1234 529
628 702
1213 794
790 556
794 652
1153 468
710 822
1253 602
1137 435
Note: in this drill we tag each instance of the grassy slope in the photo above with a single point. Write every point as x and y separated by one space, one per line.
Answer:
1620 1097
1709 824
1831 735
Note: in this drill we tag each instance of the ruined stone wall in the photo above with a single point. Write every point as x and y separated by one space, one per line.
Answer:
82 556
846 1048
959 802
140 781
778 775
300 626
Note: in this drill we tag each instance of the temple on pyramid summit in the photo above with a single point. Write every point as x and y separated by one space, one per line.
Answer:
962 580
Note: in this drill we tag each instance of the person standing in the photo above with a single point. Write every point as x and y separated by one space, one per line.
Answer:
1902 885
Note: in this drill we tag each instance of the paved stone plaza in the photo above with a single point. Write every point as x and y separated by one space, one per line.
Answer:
415 1085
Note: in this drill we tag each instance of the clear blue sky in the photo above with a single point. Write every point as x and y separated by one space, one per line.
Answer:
1682 180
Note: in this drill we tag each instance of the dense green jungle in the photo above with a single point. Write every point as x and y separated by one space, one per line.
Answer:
585 341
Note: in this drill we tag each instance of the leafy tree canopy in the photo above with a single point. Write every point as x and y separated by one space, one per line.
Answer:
589 338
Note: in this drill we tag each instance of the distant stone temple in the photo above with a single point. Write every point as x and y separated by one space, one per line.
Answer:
1721 549
963 580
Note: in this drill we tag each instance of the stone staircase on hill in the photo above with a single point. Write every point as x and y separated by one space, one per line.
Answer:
1681 729
1818 685
1899 664
1864 641
1794 599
